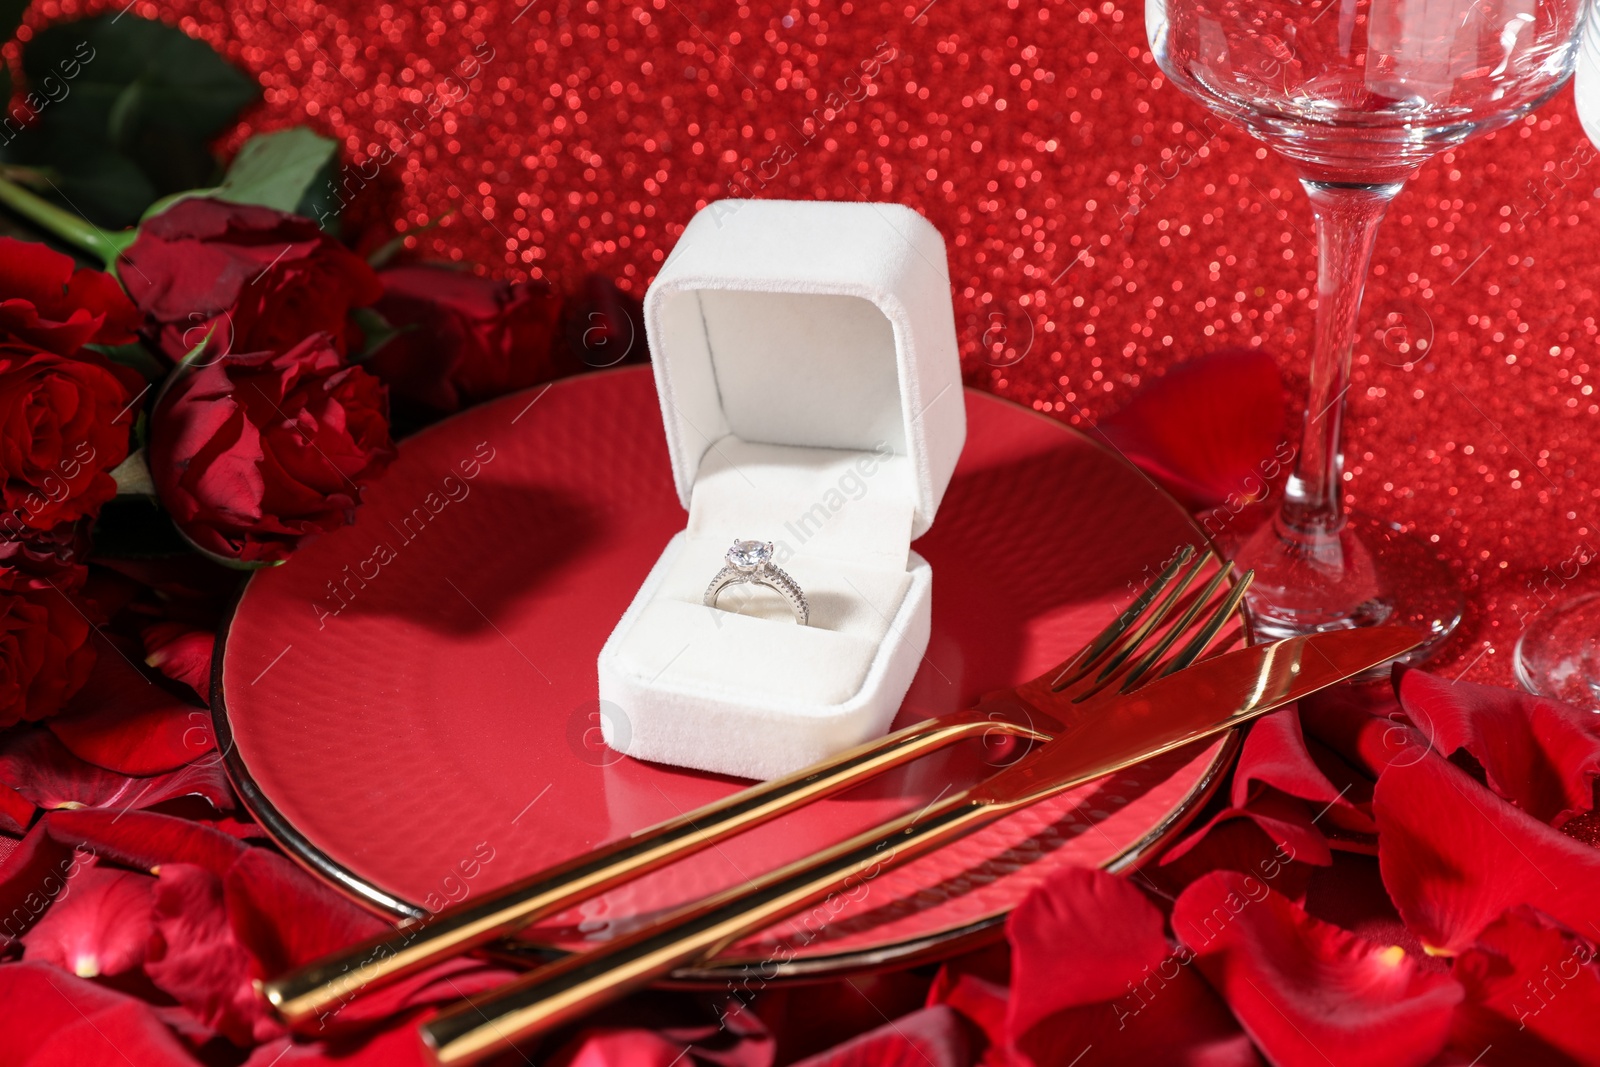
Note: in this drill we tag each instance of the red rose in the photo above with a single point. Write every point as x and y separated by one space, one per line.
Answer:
255 451
63 427
45 302
263 279
463 339
45 654
64 412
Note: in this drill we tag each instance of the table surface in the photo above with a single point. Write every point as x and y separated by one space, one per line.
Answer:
1097 225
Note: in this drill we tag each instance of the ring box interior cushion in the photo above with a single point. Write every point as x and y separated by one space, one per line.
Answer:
806 363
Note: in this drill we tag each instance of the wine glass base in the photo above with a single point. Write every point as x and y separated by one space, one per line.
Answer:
1558 655
1373 572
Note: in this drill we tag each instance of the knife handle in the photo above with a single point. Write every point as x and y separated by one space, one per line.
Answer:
562 991
311 993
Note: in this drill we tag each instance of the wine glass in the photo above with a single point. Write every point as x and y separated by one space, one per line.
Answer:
1558 654
1357 94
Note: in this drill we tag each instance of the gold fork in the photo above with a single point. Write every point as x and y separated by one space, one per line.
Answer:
1124 653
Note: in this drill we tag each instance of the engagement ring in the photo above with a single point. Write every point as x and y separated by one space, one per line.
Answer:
751 561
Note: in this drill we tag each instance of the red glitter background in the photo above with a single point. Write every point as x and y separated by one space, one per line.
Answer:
1097 231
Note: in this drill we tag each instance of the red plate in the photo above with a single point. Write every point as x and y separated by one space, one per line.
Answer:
411 700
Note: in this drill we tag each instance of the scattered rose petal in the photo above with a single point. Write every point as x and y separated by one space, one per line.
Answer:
1272 837
1364 725
32 876
16 811
1540 754
196 959
125 722
981 1001
99 925
1533 993
56 1020
1093 976
395 1047
285 917
1277 754
1210 429
144 839
932 1037
1307 991
42 769
182 653
1454 856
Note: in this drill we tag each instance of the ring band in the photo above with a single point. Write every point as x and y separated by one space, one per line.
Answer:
751 561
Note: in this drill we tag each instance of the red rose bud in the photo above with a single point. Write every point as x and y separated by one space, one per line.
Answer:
463 339
45 650
251 277
253 452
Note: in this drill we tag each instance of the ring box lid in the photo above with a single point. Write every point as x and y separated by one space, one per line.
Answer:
810 324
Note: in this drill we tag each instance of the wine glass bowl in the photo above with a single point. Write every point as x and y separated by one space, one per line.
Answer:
1365 90
1357 94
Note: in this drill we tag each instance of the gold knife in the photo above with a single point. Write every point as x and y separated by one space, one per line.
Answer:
1198 702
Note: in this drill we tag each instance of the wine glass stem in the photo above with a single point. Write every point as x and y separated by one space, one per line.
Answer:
1348 216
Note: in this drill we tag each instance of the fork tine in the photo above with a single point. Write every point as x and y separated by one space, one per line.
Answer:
1177 629
1082 662
1198 644
1155 619
1202 633
1090 655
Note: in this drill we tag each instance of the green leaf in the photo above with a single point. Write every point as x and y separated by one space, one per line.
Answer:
376 330
276 169
134 355
126 108
181 83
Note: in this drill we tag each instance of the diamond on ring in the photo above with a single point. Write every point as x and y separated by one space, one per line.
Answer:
751 561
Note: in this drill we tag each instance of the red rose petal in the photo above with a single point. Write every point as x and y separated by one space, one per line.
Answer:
932 1037
981 1001
198 961
16 811
1533 993
1454 856
1363 724
1210 429
31 877
1276 753
287 918
621 1048
1093 976
41 768
144 839
1349 894
46 300
56 1020
1273 838
397 1047
99 925
1540 754
1078 916
1307 991
182 653
124 722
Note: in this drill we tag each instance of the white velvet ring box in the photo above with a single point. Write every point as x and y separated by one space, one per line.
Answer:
805 357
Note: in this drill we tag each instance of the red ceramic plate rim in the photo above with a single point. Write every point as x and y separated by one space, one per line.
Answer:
943 942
